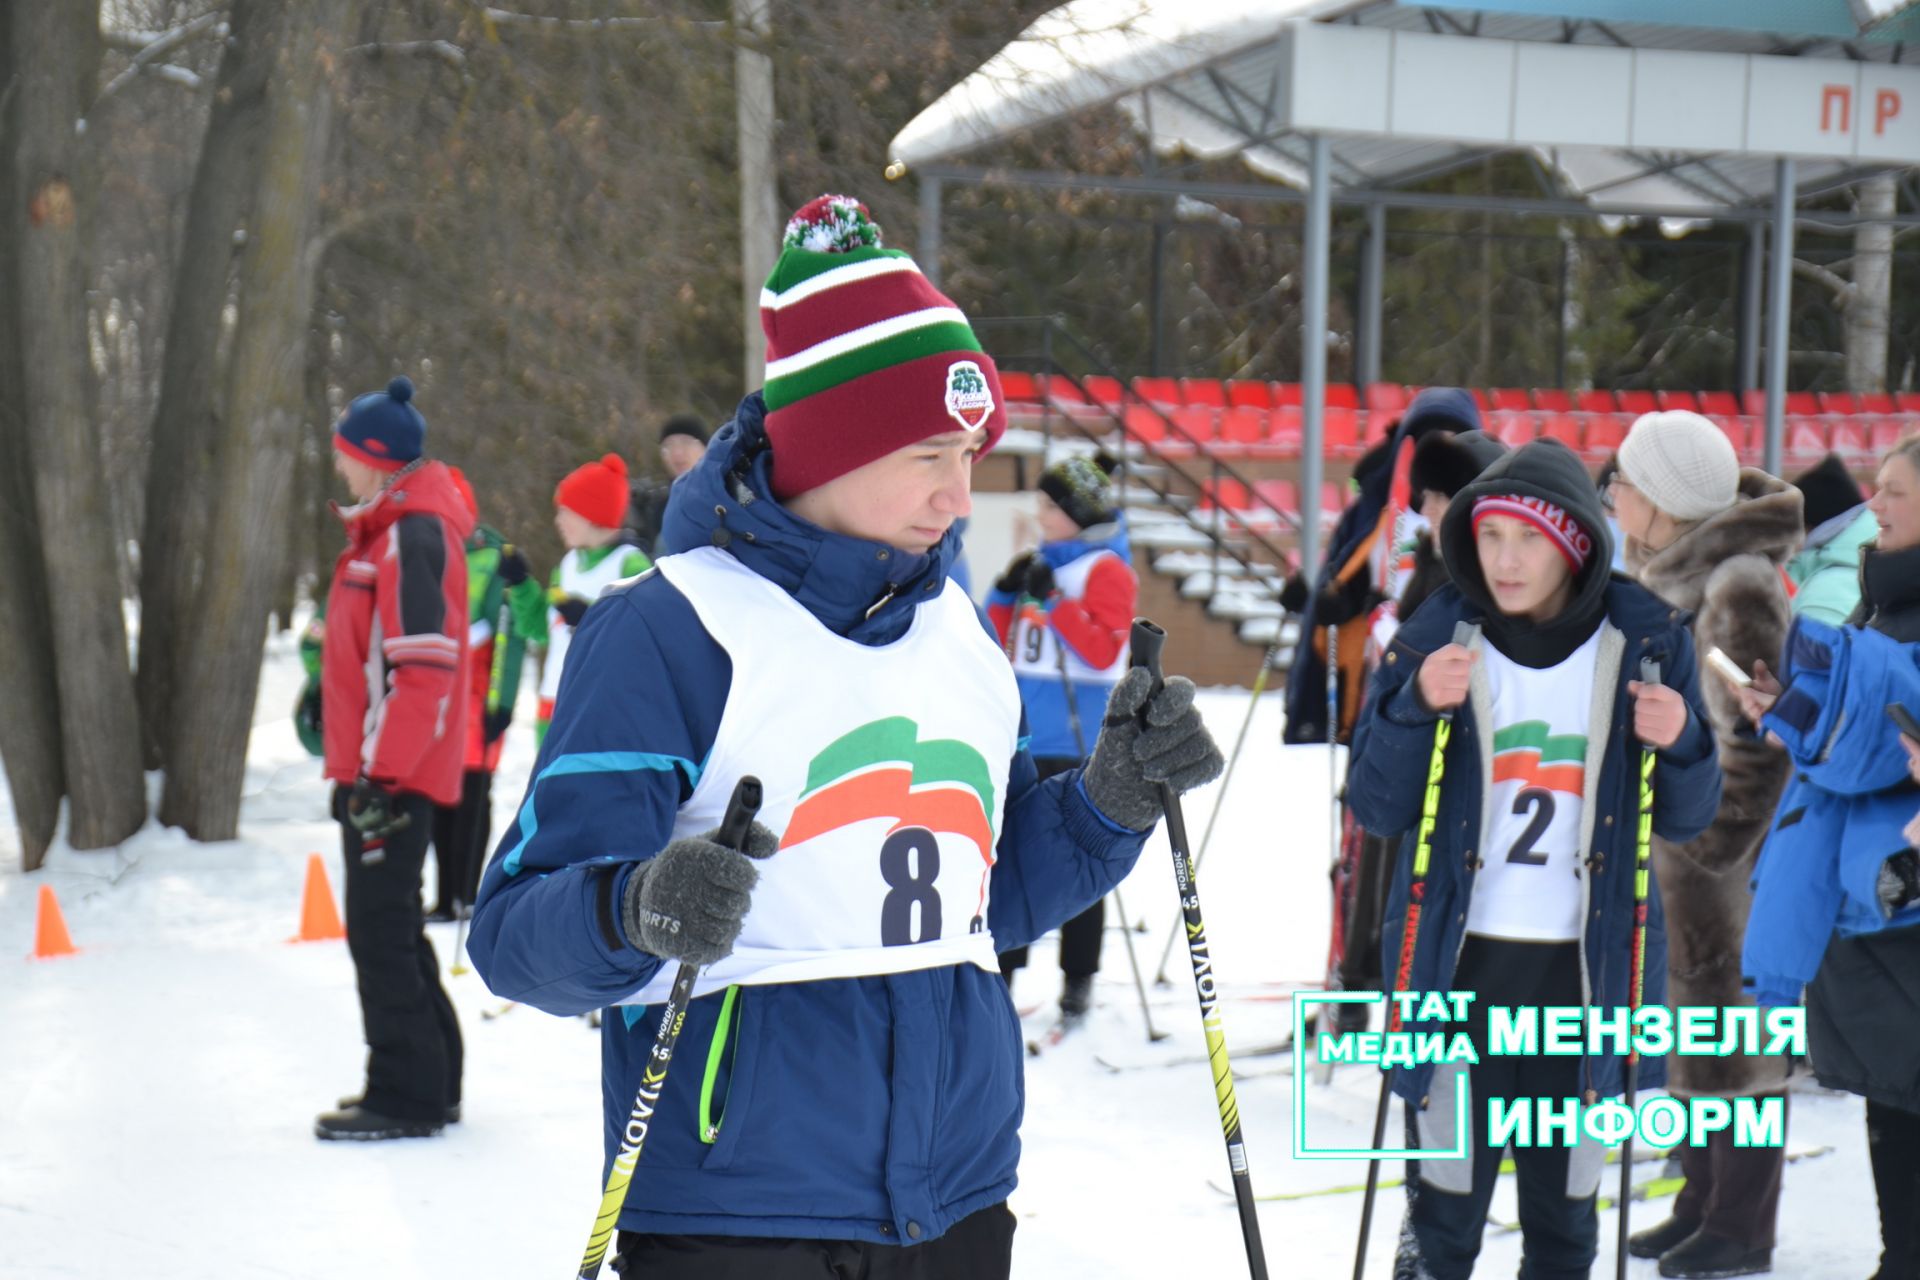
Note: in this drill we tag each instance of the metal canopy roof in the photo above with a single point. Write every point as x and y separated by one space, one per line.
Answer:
1212 79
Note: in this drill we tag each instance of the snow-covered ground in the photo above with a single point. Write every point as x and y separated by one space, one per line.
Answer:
157 1090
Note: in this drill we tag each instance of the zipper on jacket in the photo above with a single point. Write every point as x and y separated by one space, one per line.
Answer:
723 1030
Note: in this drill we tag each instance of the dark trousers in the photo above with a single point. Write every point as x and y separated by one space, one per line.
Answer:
1731 1191
460 836
1560 1233
1893 1143
1079 937
978 1247
413 1038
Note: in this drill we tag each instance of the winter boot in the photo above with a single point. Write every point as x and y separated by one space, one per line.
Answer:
1705 1256
1655 1241
357 1124
1076 996
348 1104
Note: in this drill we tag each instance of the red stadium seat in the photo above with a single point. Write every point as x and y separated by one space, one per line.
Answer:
1802 402
1637 402
1333 500
1688 400
1249 393
1511 398
1225 492
1243 426
1906 401
1060 389
1886 433
1875 402
1285 393
1105 392
1285 430
1734 428
1282 495
1849 441
1552 399
1511 427
1207 391
1018 387
1597 400
1196 421
1340 433
1806 440
1838 401
1386 397
1753 403
1719 402
1341 395
1604 433
1563 427
1161 391
1480 399
1145 423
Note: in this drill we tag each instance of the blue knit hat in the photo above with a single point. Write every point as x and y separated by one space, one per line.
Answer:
382 428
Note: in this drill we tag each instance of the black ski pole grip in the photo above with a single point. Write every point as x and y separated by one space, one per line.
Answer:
1144 644
742 807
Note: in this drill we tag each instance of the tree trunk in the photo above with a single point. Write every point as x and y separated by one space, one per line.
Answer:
57 55
185 419
30 727
246 537
1870 307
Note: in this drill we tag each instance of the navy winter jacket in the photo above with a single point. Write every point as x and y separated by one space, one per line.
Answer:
882 1109
1393 746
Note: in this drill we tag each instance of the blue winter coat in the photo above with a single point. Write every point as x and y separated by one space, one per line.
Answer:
1394 743
882 1109
1044 698
1843 814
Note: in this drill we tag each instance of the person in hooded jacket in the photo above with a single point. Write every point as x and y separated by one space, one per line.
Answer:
1863 1001
1443 464
1826 571
1371 545
1063 612
395 722
1529 896
852 1092
1713 538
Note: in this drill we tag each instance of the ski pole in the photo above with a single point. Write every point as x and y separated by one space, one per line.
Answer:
1337 931
461 911
1160 978
1409 936
1642 882
741 809
1154 1034
1146 642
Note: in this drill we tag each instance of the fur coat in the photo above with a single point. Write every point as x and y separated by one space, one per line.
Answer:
1725 570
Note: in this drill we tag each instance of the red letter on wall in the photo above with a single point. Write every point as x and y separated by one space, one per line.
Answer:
1830 94
1886 105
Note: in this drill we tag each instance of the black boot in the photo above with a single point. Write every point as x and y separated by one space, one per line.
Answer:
1655 1241
357 1124
1076 996
348 1104
1705 1256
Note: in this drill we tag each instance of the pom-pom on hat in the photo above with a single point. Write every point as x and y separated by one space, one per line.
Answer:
1572 540
1081 487
864 355
596 492
382 428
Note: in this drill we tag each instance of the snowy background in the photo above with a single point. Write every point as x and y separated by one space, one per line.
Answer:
157 1091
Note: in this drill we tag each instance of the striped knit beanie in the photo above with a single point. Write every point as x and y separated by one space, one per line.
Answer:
1080 487
864 355
1573 542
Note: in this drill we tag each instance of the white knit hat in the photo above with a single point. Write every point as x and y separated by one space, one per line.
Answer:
1683 464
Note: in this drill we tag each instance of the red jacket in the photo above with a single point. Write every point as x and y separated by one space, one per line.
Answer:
396 645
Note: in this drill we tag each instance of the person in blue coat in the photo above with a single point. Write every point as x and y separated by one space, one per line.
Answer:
847 1094
1529 895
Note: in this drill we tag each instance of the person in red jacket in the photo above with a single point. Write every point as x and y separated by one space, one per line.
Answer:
395 724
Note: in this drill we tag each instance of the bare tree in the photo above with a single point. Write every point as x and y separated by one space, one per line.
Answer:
56 56
247 533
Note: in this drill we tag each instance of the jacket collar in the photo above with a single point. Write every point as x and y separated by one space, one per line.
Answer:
865 591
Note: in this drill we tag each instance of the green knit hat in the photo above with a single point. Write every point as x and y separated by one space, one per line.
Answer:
864 355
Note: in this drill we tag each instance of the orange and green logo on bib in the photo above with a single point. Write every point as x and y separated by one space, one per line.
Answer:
883 770
1530 755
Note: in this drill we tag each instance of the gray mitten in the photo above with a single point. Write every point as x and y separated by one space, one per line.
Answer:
1130 762
688 901
1898 884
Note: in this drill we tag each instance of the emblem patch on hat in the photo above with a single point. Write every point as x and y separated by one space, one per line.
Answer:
969 399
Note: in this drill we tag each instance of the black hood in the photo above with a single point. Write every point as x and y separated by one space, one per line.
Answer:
1548 470
1446 464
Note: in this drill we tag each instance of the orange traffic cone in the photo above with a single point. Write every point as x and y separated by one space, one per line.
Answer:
319 918
50 928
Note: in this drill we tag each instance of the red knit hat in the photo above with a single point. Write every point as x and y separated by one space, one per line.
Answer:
1573 542
596 492
864 355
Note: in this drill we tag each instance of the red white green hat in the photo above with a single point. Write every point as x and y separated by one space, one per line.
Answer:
864 355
